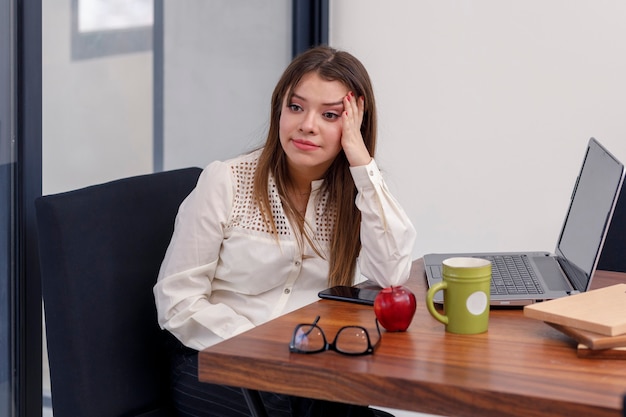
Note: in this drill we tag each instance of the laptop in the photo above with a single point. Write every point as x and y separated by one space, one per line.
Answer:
569 270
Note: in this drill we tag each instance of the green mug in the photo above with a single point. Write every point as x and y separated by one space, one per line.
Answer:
465 286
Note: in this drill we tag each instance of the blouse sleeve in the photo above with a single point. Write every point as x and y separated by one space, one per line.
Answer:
387 234
183 287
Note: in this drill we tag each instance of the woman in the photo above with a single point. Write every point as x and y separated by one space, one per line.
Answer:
263 233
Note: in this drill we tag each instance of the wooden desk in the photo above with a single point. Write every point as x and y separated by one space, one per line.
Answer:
520 367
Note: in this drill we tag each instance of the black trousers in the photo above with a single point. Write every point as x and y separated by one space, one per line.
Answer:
193 398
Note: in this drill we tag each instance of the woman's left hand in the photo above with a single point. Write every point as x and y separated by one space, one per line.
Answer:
351 138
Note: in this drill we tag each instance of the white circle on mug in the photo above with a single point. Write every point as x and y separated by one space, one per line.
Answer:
476 303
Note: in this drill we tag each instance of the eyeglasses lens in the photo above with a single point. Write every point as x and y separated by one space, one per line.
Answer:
309 339
352 340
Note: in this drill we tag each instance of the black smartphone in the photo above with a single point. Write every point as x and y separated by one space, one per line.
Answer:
351 294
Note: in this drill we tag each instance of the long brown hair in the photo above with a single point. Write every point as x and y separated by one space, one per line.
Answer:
331 65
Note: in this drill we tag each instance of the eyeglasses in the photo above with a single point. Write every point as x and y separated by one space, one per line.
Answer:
350 340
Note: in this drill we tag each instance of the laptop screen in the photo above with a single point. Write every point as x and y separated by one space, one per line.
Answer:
591 208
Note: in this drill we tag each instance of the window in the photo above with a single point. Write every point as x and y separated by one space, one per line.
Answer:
7 202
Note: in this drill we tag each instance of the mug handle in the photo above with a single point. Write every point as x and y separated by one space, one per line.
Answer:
429 301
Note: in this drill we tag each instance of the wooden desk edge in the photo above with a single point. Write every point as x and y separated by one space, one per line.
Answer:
429 398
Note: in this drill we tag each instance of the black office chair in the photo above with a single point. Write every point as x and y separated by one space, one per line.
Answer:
613 256
100 249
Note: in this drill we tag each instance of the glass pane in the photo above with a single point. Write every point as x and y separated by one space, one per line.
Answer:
222 59
97 92
7 160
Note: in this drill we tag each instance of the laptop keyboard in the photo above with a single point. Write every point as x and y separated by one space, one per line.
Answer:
511 274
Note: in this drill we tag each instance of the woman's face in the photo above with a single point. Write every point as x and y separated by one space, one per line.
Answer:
311 125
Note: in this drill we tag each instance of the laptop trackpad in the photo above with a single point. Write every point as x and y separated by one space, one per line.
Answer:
552 273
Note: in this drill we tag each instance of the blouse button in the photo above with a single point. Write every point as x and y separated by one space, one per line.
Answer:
371 173
287 291
297 263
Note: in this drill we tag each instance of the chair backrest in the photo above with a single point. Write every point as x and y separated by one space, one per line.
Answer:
613 256
100 251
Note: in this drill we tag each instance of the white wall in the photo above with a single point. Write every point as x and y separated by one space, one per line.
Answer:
480 99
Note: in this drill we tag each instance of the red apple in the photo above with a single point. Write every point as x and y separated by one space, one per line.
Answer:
394 308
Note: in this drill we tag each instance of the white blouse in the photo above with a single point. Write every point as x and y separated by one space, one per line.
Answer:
224 272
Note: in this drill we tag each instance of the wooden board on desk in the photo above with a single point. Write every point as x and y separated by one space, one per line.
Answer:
592 340
601 311
614 353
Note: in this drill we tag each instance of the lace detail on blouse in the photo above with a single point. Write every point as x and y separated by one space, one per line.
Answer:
325 216
246 214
